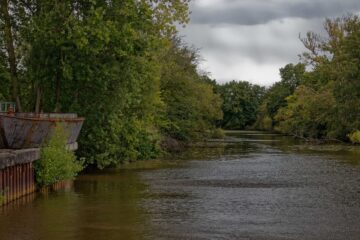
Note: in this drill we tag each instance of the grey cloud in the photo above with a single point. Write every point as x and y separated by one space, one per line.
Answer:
252 39
249 12
275 42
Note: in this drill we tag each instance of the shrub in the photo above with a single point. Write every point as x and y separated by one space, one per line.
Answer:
57 163
354 136
264 123
217 133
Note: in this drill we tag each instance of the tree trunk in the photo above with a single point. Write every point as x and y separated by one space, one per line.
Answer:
58 93
38 100
9 42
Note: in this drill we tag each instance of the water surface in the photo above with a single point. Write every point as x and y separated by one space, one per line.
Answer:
251 186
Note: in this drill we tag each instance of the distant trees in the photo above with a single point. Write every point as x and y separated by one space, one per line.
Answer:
121 65
240 103
325 101
191 106
318 98
308 113
275 97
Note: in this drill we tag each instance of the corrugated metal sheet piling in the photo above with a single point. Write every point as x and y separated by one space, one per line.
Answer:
17 173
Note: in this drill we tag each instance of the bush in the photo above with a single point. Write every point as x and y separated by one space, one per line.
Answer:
218 133
354 136
56 163
308 113
264 123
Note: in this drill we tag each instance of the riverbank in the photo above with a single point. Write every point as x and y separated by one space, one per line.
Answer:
17 178
18 175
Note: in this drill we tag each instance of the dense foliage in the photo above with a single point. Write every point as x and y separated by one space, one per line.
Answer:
56 163
324 102
191 108
114 62
275 97
240 103
121 65
318 98
354 136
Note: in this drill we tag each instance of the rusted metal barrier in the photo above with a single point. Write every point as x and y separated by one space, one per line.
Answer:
21 136
27 130
16 182
17 177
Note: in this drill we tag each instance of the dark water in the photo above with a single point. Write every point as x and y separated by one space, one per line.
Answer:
256 186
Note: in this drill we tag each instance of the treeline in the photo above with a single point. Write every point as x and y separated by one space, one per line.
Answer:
323 102
241 101
318 98
120 64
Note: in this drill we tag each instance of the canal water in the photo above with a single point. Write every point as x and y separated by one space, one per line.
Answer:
252 185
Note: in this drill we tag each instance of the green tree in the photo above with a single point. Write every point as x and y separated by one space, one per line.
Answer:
100 59
191 106
240 103
116 64
307 114
335 61
9 59
275 98
327 104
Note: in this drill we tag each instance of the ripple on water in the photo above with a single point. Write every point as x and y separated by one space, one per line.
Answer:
248 189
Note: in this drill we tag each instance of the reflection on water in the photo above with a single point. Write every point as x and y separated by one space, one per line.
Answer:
251 186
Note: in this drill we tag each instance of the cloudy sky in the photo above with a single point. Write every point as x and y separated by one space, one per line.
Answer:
251 39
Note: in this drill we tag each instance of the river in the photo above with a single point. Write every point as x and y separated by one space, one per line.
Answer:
252 186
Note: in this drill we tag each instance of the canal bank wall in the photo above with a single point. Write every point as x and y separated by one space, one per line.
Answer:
17 175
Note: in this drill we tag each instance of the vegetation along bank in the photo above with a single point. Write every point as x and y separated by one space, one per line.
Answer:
123 66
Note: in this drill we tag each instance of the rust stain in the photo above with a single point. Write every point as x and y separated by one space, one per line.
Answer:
16 181
27 130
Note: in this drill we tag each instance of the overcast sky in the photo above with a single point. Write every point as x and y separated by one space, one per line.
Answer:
251 39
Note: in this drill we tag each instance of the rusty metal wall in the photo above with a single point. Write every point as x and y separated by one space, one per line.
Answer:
16 181
17 175
21 133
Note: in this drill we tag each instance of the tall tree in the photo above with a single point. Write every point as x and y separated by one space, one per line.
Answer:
240 103
10 49
327 105
191 106
275 98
